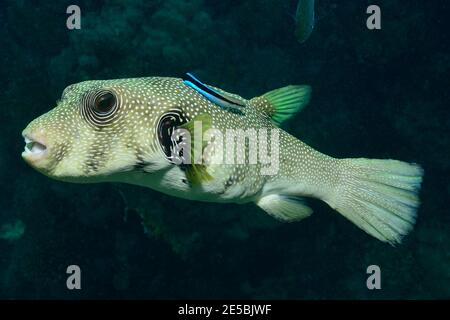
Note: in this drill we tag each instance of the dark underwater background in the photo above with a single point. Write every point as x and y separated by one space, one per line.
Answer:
376 94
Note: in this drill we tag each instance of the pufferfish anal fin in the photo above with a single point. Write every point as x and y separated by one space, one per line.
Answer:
284 208
283 103
196 172
227 101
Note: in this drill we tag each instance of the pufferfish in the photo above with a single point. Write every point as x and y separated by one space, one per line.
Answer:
135 131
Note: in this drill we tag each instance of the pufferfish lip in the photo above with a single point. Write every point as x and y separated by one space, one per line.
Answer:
33 147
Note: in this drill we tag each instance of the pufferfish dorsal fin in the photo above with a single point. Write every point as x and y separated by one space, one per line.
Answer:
223 99
196 172
283 103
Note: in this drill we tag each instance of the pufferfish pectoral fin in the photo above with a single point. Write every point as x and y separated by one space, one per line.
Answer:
284 208
283 103
196 171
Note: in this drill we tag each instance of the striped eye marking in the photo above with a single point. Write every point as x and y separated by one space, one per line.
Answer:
100 107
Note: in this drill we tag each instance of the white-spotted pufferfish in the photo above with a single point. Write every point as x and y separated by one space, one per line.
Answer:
128 130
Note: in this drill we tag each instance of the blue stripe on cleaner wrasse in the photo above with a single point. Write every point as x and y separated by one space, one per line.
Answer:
127 130
222 100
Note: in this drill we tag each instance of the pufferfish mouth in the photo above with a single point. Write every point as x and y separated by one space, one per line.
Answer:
33 147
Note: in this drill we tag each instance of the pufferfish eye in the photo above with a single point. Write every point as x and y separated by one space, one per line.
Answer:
99 108
104 102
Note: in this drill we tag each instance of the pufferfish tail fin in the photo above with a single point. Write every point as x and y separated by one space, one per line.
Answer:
378 196
283 103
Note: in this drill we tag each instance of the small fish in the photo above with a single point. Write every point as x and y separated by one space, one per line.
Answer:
222 99
304 17
171 135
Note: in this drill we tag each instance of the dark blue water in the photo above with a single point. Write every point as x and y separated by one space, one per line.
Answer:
376 94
